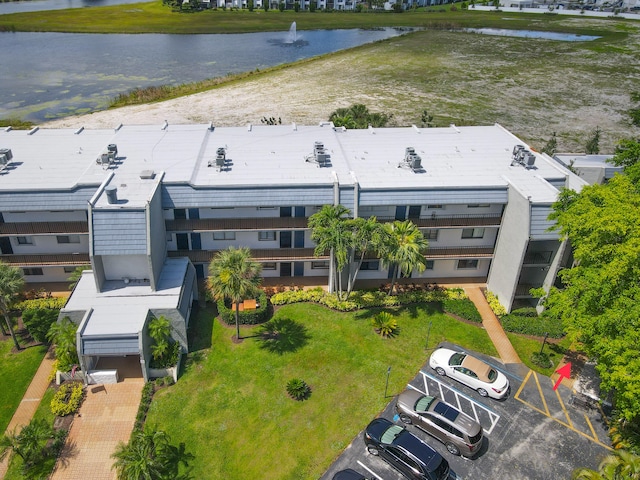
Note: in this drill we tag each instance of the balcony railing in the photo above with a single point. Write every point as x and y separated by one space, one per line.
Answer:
67 259
236 224
259 255
42 228
459 252
444 221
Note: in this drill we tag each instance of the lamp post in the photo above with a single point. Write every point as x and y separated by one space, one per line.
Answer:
387 384
428 333
543 342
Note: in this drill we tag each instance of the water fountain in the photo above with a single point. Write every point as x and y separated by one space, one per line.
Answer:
292 38
293 34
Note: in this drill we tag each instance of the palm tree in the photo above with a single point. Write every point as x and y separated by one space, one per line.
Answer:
76 275
332 233
159 331
63 335
366 236
30 444
234 275
11 283
149 455
621 465
403 249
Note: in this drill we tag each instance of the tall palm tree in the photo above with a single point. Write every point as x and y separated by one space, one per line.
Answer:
234 275
332 233
403 249
621 465
11 283
149 455
366 236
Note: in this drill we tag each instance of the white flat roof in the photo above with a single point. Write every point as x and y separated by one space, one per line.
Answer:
452 157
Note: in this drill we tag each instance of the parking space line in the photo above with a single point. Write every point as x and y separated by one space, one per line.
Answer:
564 409
493 416
524 382
595 435
544 400
369 470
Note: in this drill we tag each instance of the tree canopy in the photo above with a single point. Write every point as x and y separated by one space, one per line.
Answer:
600 302
359 116
11 283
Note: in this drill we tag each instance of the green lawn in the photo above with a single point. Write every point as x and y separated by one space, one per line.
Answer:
16 372
527 346
231 409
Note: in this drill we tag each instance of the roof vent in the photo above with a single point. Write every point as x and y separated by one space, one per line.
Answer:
521 156
319 155
220 161
112 194
147 174
411 160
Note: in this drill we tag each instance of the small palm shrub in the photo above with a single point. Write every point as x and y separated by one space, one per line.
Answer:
298 389
385 324
67 399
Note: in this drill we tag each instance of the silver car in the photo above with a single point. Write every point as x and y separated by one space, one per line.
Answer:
461 434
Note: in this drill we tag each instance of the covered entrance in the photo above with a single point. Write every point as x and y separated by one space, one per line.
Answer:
127 366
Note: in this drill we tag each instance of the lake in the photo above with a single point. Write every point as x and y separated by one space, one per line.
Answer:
51 75
39 5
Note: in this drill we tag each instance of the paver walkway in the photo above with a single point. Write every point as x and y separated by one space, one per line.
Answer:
492 325
105 419
30 401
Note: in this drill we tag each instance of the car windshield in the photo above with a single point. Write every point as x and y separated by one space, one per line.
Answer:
442 472
456 359
423 403
492 375
390 434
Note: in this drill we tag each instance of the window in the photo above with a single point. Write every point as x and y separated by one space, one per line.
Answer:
180 214
430 234
370 265
25 240
266 236
429 265
472 232
434 207
478 205
68 238
324 264
269 266
69 269
467 264
32 271
224 235
367 209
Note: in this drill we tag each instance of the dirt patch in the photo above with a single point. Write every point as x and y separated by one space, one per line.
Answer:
532 87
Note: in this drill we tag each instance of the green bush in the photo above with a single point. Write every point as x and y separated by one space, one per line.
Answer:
527 322
169 359
385 324
246 317
38 321
145 401
298 389
463 308
494 303
51 303
67 399
541 359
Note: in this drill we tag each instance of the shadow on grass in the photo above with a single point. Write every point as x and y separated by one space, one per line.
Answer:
201 327
282 335
414 310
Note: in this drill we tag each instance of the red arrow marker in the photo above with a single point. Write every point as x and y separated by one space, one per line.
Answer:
564 372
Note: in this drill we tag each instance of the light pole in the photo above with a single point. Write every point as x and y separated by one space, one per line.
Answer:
387 384
428 333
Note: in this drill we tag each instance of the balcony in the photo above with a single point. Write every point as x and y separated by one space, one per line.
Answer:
459 252
452 221
43 228
236 224
259 255
63 259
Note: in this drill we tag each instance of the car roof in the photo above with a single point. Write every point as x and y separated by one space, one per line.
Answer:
348 474
480 368
420 450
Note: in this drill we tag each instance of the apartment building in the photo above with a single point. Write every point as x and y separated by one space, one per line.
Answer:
480 195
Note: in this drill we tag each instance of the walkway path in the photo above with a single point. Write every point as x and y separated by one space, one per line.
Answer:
492 325
30 402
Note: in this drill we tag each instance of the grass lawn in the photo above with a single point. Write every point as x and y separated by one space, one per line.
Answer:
16 371
231 409
527 346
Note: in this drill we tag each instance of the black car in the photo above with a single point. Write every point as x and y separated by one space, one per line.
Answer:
407 453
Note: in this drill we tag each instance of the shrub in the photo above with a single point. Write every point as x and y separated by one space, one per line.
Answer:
38 321
298 389
527 321
50 303
541 359
463 308
385 324
67 399
494 303
143 408
246 317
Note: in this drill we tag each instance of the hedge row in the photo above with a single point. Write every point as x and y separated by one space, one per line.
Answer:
246 317
463 308
51 303
145 401
527 322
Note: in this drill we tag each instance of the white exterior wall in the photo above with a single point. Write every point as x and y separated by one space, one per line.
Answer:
48 244
45 216
49 274
441 268
452 237
117 267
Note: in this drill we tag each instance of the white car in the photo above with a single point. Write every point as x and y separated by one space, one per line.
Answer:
474 373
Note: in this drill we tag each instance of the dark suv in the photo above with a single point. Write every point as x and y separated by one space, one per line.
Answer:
405 452
460 433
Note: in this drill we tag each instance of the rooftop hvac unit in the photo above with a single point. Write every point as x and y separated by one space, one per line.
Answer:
416 162
3 159
7 153
408 152
113 149
322 159
221 151
318 145
517 149
103 159
529 160
220 161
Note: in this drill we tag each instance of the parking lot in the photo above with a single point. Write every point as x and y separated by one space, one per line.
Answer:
535 433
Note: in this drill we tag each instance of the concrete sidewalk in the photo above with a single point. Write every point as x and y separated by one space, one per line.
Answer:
30 401
492 325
